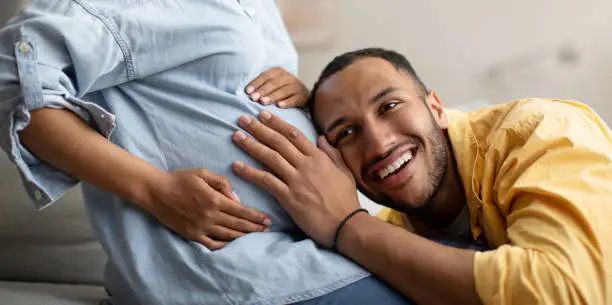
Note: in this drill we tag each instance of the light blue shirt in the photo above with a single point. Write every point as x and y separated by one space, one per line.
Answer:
167 78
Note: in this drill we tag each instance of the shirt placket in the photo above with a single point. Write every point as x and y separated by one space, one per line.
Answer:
247 8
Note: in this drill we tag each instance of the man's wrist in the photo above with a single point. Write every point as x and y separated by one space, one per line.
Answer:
350 231
342 223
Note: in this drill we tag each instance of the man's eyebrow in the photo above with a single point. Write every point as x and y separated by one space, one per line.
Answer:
335 124
382 93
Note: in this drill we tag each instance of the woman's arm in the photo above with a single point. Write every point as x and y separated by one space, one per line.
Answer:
196 204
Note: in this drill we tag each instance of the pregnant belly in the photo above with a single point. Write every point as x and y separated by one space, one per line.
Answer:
204 141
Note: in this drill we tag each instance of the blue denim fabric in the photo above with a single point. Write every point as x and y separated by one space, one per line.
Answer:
368 291
371 290
163 79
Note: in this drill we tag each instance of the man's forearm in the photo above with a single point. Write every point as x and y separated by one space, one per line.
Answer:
63 140
427 272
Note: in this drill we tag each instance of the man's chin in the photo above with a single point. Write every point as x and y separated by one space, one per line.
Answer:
394 201
405 206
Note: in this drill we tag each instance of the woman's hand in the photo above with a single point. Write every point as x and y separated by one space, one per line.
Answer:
278 86
201 206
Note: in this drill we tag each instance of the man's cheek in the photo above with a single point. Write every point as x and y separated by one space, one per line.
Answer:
357 175
351 163
355 169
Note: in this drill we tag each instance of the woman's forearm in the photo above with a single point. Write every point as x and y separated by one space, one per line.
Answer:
63 140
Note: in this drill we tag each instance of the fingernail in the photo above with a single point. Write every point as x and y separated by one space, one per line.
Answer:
245 120
255 96
281 104
240 136
235 196
238 165
265 99
250 89
266 230
267 222
265 115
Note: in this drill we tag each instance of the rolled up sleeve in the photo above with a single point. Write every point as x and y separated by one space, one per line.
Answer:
55 55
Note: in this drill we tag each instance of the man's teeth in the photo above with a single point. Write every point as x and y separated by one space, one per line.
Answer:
391 168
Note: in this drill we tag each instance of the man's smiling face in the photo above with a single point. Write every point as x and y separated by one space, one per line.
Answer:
388 129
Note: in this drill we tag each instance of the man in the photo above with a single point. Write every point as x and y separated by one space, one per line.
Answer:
169 80
532 179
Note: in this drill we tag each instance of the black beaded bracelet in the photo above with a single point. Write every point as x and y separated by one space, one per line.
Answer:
334 246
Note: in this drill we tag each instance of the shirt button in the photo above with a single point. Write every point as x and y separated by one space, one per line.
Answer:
102 116
37 195
24 48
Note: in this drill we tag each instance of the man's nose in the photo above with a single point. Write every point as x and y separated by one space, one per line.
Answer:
380 138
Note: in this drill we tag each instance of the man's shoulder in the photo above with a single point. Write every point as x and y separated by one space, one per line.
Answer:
530 126
540 109
521 118
500 115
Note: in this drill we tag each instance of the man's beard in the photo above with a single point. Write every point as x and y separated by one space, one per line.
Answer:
425 203
440 151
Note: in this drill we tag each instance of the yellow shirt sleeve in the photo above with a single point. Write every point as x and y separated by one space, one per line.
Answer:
553 187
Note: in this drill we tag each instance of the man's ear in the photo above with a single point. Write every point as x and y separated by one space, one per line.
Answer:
437 109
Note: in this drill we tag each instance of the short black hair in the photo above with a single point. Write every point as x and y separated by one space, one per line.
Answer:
340 62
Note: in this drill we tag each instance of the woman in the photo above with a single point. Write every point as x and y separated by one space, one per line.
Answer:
169 79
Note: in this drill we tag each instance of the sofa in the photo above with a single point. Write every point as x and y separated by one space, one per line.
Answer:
47 257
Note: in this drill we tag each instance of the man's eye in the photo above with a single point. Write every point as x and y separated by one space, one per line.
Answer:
344 133
388 106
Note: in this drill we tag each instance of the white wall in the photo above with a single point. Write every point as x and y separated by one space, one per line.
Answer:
456 46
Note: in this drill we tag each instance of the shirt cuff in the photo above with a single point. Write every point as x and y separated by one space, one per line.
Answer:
44 183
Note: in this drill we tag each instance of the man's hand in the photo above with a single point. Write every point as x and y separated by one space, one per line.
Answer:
278 86
315 187
201 206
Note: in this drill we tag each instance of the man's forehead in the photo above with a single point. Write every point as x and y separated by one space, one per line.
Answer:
362 77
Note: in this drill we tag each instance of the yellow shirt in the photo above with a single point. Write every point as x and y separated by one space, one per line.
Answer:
538 178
